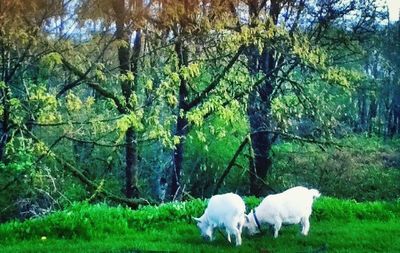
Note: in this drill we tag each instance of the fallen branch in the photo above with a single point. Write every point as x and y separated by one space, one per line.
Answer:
230 165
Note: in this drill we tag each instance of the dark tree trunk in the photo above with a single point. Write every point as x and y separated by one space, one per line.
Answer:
391 123
372 112
131 189
178 158
259 113
180 125
362 111
259 108
127 87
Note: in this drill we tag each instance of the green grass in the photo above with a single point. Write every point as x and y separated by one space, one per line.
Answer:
336 226
356 236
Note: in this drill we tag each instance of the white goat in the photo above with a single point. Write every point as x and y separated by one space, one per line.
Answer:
223 211
292 206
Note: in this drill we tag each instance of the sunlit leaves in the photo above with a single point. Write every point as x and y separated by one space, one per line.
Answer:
313 56
128 77
341 76
99 72
52 59
171 100
45 104
74 103
149 85
190 71
132 120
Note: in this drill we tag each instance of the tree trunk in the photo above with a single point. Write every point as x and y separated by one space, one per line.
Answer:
180 125
362 111
372 112
127 88
131 157
391 123
259 113
259 108
178 158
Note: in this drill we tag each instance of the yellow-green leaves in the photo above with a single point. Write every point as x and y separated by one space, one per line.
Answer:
341 76
51 60
195 117
132 120
312 56
259 34
133 100
284 109
171 100
149 85
99 72
191 71
17 114
45 105
74 103
127 77
175 77
40 148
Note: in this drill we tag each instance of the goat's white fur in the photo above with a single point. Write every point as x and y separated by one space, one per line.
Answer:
292 206
223 211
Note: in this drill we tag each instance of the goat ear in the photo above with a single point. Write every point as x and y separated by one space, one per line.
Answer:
196 219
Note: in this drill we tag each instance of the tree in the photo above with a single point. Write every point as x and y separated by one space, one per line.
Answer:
300 35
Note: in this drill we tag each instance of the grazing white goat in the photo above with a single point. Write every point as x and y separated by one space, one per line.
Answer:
223 211
292 206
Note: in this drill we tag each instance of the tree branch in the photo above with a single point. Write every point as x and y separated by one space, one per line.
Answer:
95 142
108 94
81 76
34 123
105 93
216 81
230 165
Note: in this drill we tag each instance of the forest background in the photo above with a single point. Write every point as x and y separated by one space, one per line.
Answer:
137 101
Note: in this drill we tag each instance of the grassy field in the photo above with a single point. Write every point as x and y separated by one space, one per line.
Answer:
367 227
182 237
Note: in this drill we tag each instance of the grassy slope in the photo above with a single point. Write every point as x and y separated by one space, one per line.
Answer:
337 226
